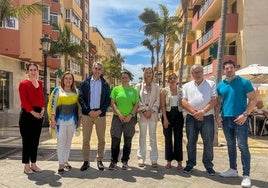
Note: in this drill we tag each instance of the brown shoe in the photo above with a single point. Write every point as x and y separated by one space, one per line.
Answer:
36 169
28 171
168 165
179 166
141 165
154 165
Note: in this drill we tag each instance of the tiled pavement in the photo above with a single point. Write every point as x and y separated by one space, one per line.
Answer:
11 169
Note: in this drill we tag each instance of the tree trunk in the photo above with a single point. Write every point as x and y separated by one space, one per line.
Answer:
66 63
220 56
157 60
185 4
164 63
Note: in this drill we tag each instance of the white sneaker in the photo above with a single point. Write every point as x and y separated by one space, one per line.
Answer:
229 173
246 182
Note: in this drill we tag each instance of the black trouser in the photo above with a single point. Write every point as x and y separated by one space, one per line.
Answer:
118 129
174 150
116 149
30 130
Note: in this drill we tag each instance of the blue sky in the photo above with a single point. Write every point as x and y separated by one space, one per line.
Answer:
118 19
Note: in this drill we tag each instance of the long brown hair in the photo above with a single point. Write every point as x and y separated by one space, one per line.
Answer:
73 89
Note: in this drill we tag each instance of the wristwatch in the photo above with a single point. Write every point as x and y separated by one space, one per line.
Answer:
245 114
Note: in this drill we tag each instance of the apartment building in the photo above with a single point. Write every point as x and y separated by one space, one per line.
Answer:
20 43
105 49
98 39
245 38
190 37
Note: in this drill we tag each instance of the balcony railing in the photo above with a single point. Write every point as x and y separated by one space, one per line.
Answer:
204 8
206 37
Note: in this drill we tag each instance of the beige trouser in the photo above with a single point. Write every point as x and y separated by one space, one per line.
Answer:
100 124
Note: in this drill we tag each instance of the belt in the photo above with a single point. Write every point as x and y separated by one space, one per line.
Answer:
95 109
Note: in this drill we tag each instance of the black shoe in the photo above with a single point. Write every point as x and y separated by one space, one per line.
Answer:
61 170
112 166
100 165
210 171
125 166
187 169
84 166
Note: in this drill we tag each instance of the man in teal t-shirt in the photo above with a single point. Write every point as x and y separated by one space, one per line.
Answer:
233 93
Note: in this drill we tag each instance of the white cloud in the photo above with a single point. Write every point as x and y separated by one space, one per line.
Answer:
131 51
136 70
122 31
118 19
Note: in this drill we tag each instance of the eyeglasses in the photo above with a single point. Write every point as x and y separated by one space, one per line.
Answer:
197 72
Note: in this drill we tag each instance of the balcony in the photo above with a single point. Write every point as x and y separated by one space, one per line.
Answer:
213 33
190 36
47 29
54 6
10 42
209 10
53 63
188 60
197 2
211 69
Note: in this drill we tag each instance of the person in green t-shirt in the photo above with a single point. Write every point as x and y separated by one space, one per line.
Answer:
124 102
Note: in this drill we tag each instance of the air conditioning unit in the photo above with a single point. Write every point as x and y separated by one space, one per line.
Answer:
23 65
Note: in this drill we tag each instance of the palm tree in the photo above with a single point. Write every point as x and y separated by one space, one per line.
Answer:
112 68
162 25
8 10
220 52
220 56
65 46
148 43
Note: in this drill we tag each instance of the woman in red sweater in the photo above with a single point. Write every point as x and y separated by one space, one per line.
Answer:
31 117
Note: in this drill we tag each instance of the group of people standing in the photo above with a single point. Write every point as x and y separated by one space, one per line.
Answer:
230 102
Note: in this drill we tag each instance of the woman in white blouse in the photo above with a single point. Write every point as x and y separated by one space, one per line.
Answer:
148 116
172 120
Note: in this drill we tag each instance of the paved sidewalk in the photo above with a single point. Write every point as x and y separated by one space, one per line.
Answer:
11 169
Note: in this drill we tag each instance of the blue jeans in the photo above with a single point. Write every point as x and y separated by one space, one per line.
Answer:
206 128
232 131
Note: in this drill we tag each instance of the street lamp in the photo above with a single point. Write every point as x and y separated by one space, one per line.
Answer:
45 42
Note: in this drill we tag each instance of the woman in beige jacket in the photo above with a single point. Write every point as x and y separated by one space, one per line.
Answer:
148 116
172 120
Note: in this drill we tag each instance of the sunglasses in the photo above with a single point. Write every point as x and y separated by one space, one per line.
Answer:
172 78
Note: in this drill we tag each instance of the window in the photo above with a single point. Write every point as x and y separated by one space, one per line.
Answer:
74 67
78 2
11 23
75 39
53 20
45 14
68 15
234 7
4 89
86 9
76 20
